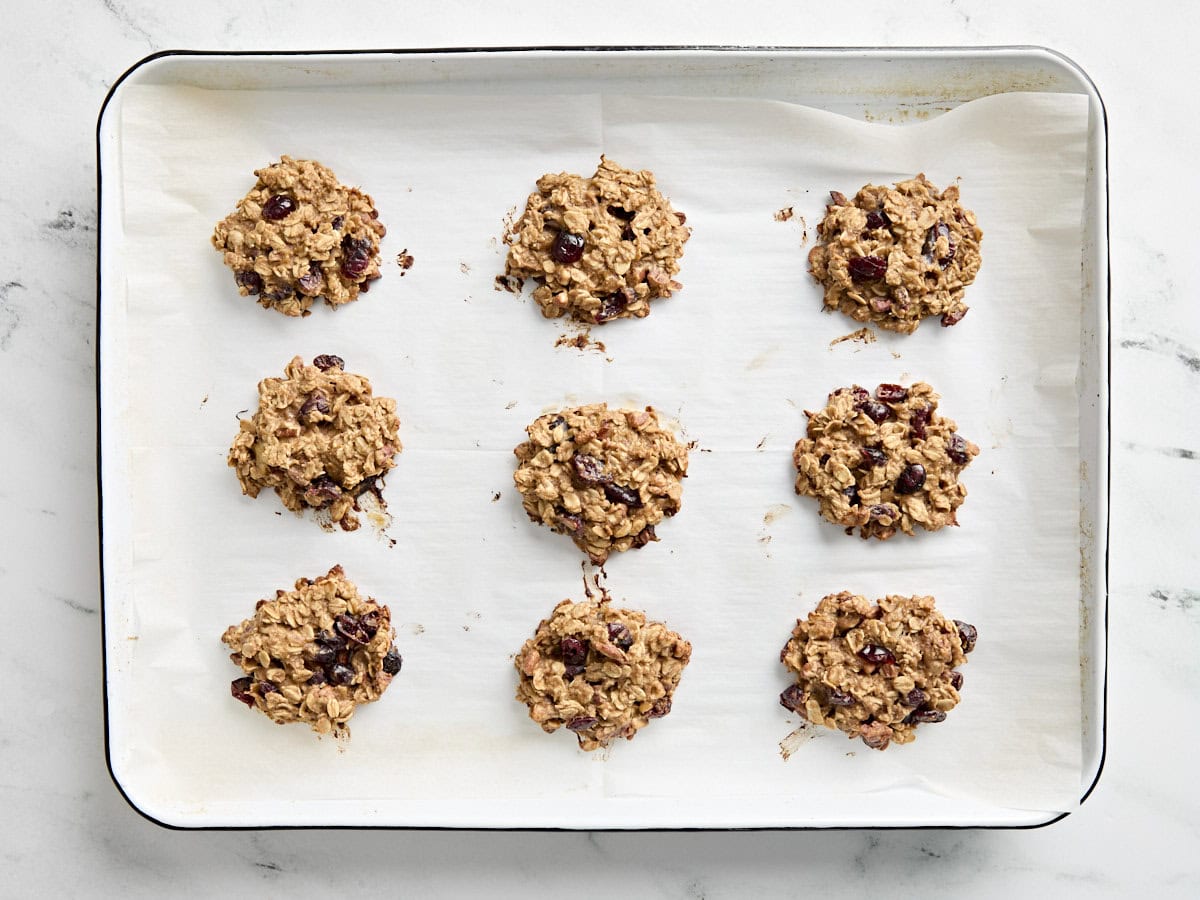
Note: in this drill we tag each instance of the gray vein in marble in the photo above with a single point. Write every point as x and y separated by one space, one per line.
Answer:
1158 343
73 229
10 319
127 21
75 604
1178 452
1184 598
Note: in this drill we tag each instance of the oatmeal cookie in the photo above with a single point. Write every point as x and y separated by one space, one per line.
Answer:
301 235
876 670
883 464
601 248
314 654
604 673
893 256
319 438
604 477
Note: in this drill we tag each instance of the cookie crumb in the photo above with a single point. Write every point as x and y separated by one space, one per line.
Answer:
797 739
863 336
784 214
404 260
464 268
510 283
581 340
496 497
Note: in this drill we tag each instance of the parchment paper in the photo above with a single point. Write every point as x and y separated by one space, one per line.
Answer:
734 358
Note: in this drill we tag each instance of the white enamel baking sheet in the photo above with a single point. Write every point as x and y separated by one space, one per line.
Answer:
447 145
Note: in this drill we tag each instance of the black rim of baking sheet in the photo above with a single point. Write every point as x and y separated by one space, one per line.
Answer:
948 50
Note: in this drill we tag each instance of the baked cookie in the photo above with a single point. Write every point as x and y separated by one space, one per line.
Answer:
604 673
320 438
893 256
601 248
314 654
604 477
883 464
876 670
301 235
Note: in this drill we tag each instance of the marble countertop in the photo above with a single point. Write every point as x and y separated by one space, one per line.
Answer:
68 832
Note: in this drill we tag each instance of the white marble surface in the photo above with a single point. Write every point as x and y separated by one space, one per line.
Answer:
67 832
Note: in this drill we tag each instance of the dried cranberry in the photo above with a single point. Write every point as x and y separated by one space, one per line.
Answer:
567 248
661 707
926 716
392 662
878 219
644 537
250 280
859 394
967 635
617 493
867 268
327 361
582 723
628 234
612 305
278 207
574 651
572 671
884 510
341 674
315 404
891 393
914 698
877 412
328 637
919 420
337 223
356 256
370 624
876 655
953 318
267 687
351 628
572 523
589 470
873 456
824 459
852 495
911 480
240 688
792 698
840 698
322 491
317 677
312 282
324 655
619 635
956 679
931 238
623 214
956 449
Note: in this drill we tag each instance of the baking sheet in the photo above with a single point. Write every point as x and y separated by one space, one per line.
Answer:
734 357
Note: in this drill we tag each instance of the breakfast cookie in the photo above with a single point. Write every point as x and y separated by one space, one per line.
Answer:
601 248
300 235
314 654
604 673
876 670
893 256
319 438
604 477
883 464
